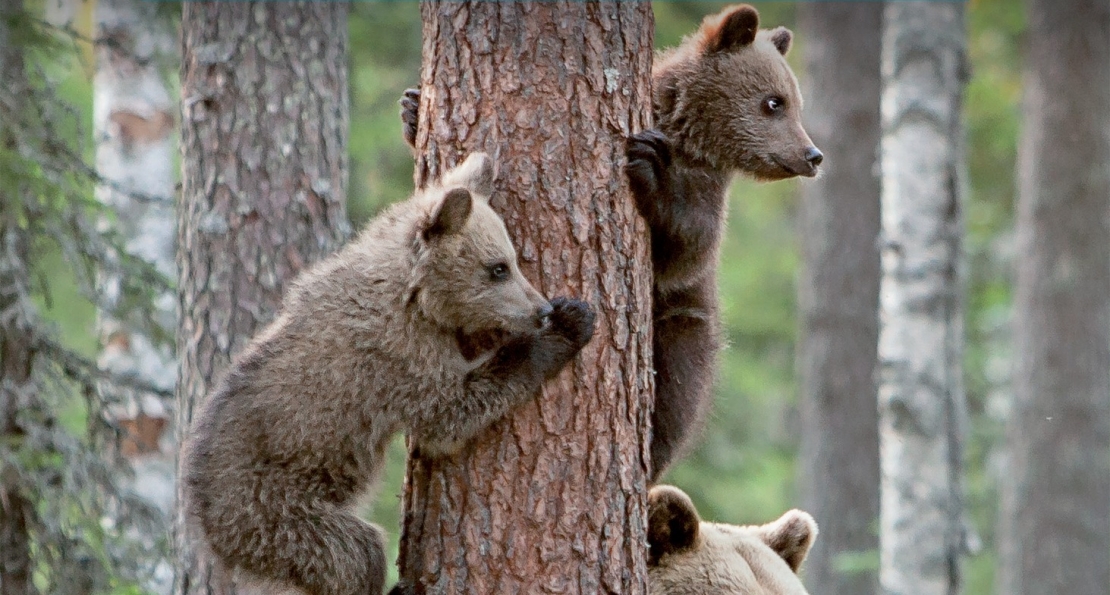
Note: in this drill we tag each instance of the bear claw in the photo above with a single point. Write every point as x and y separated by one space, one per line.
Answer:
410 115
649 156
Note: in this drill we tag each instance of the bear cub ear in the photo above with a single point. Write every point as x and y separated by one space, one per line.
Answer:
791 536
451 216
782 38
476 174
731 30
673 522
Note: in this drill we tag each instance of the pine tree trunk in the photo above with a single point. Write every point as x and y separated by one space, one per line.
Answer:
551 499
133 119
1055 533
16 352
264 131
839 292
921 401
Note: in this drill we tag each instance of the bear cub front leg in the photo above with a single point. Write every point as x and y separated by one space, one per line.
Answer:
512 376
682 205
570 327
648 170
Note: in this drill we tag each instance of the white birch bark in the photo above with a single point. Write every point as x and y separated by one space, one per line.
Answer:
921 401
133 124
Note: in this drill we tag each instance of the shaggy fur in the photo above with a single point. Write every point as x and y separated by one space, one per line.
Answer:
725 101
713 108
690 557
423 324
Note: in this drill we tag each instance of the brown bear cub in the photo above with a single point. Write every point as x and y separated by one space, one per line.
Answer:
424 324
724 101
688 556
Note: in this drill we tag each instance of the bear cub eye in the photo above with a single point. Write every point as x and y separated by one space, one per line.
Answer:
498 272
773 105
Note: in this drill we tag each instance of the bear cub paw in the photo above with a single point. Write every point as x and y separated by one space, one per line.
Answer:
410 115
573 320
649 157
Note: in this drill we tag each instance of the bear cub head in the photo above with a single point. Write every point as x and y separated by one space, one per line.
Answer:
467 277
726 96
690 557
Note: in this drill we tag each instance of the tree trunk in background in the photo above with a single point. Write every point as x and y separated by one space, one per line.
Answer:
16 352
552 499
839 292
133 118
921 402
1055 530
264 131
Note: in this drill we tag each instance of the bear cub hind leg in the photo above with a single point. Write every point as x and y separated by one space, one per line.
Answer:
326 552
687 339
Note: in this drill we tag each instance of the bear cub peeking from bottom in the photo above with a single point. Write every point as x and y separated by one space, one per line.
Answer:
424 324
691 557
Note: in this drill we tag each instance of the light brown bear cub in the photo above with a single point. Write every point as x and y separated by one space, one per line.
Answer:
425 324
690 557
724 101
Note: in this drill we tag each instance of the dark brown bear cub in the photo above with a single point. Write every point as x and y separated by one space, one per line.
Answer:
423 324
724 101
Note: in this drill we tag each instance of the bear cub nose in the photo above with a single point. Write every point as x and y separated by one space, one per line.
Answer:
542 314
814 156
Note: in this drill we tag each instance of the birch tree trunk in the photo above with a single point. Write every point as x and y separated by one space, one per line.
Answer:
921 400
16 352
552 499
264 131
1055 533
133 118
839 292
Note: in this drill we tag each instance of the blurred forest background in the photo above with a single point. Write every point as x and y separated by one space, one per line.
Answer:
744 470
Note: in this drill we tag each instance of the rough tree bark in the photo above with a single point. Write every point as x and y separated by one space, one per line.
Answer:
1055 530
839 291
551 500
264 131
921 401
16 352
133 119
